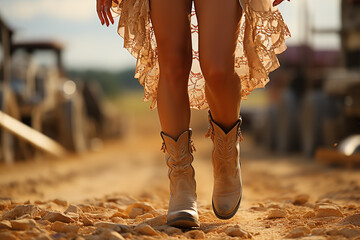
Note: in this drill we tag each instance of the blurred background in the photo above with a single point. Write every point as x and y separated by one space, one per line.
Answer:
67 92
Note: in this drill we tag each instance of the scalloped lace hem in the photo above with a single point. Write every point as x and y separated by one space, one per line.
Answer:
262 36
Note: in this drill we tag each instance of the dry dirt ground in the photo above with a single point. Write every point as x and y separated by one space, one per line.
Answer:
121 192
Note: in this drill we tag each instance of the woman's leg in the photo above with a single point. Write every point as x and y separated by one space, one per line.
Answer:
172 30
218 32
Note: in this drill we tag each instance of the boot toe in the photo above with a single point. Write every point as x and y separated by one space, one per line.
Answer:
183 219
226 207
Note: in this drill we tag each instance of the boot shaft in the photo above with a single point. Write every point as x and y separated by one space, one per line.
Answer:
227 189
182 205
178 156
226 146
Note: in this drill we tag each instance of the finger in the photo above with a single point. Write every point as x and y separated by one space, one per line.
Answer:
105 17
110 16
277 2
100 17
98 11
103 11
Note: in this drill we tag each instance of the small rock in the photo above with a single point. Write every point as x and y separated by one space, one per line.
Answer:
60 202
298 232
7 236
144 217
26 216
20 211
316 238
86 221
104 233
107 225
73 216
113 226
324 201
4 204
260 207
34 231
23 224
276 213
86 230
309 214
86 207
5 224
311 225
352 219
43 222
120 214
79 238
134 212
112 235
56 216
118 220
318 204
145 229
274 205
172 230
328 210
73 209
44 236
127 235
156 221
195 234
301 199
236 231
144 206
39 202
318 231
350 232
333 232
105 214
64 228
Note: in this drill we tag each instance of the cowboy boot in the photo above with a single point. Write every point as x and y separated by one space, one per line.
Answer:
227 189
182 210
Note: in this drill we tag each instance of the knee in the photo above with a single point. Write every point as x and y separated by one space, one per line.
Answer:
216 73
175 67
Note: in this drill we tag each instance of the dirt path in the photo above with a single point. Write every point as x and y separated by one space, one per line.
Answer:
111 193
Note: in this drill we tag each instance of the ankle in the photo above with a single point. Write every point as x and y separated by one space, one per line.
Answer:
226 125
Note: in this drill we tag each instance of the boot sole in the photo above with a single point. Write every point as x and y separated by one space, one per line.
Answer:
228 216
184 222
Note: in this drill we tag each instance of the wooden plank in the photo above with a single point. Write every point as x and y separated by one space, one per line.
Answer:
34 137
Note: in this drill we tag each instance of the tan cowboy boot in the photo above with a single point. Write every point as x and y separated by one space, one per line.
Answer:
182 210
227 190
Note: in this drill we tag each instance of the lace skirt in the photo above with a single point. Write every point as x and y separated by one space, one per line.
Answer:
262 36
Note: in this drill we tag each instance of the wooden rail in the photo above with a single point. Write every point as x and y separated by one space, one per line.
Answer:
34 137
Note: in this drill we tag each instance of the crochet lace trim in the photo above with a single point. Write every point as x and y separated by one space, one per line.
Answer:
262 36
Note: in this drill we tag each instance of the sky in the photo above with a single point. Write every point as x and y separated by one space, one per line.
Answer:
89 45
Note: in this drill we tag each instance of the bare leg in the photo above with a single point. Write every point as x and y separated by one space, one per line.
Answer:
218 31
172 30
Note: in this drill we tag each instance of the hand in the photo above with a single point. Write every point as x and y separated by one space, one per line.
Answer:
277 2
103 11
